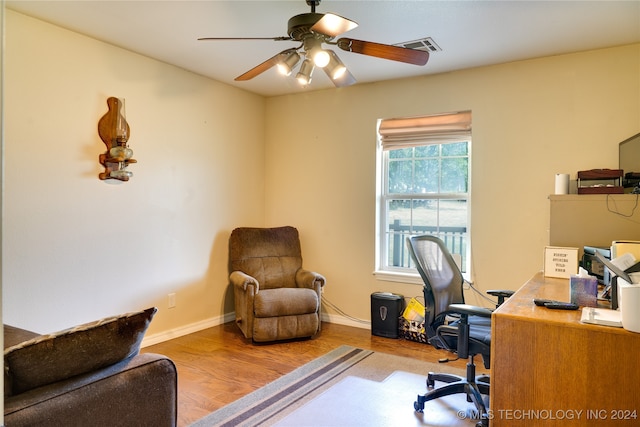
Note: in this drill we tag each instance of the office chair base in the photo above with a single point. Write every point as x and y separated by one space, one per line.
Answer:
481 381
473 387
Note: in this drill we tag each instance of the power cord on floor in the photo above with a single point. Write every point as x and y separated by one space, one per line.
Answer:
328 303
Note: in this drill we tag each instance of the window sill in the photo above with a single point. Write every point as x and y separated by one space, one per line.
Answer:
390 276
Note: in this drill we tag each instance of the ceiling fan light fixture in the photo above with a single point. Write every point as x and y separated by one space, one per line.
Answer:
335 68
306 70
286 66
321 57
333 25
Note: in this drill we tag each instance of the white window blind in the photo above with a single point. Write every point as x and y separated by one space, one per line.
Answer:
416 131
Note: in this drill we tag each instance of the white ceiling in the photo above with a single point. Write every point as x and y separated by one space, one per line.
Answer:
470 33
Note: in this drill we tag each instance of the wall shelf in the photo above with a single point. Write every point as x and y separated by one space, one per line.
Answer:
577 220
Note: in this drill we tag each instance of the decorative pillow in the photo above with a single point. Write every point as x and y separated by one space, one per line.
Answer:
75 351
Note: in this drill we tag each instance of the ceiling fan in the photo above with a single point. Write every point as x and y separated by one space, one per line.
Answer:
313 30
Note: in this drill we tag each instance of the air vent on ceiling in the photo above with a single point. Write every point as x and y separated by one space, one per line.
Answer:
426 43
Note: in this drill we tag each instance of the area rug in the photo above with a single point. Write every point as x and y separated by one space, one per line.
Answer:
347 386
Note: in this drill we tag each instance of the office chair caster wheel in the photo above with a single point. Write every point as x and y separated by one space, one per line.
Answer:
418 405
483 423
431 383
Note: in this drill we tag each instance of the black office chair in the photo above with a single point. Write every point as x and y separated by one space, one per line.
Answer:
451 324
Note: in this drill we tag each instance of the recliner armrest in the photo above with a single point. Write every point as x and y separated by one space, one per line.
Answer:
242 280
470 310
309 279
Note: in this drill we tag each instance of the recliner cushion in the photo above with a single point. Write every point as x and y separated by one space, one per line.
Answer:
285 302
272 272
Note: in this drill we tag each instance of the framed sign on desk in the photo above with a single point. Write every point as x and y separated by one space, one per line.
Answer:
560 262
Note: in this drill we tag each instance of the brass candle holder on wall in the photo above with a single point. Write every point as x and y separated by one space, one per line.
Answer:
114 132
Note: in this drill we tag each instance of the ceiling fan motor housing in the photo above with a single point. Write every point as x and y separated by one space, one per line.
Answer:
299 27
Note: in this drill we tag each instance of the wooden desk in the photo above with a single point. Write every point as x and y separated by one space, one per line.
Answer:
549 369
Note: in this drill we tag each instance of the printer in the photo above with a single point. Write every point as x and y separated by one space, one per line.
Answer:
593 265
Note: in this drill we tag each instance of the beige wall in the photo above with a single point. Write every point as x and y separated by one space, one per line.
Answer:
531 120
212 157
77 248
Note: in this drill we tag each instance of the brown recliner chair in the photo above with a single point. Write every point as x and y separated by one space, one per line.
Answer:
275 298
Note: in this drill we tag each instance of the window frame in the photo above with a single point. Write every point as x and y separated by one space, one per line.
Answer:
383 271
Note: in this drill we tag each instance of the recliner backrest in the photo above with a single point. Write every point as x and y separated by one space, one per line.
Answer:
271 255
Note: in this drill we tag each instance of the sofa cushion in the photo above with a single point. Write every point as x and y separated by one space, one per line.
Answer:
75 351
14 336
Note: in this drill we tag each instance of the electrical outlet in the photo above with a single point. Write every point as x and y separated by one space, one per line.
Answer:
171 300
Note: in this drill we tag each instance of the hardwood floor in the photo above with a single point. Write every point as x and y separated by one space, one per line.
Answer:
218 365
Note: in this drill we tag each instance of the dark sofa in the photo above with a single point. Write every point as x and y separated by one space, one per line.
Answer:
89 375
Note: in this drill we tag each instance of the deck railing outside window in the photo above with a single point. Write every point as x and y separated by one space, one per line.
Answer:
455 238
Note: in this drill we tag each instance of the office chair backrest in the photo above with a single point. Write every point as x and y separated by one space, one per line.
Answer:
442 278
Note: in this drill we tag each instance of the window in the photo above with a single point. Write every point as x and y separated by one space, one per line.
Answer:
423 187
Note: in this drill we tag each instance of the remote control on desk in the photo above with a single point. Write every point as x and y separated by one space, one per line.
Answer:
541 302
562 306
555 305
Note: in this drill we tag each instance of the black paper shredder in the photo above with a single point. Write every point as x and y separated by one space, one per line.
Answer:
386 309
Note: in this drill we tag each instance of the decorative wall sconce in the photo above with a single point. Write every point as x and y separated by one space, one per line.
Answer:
114 132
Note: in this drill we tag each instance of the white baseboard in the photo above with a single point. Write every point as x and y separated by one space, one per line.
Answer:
187 329
230 317
341 320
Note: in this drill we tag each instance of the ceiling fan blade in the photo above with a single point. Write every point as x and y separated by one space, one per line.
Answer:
346 79
333 25
384 51
247 38
261 68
